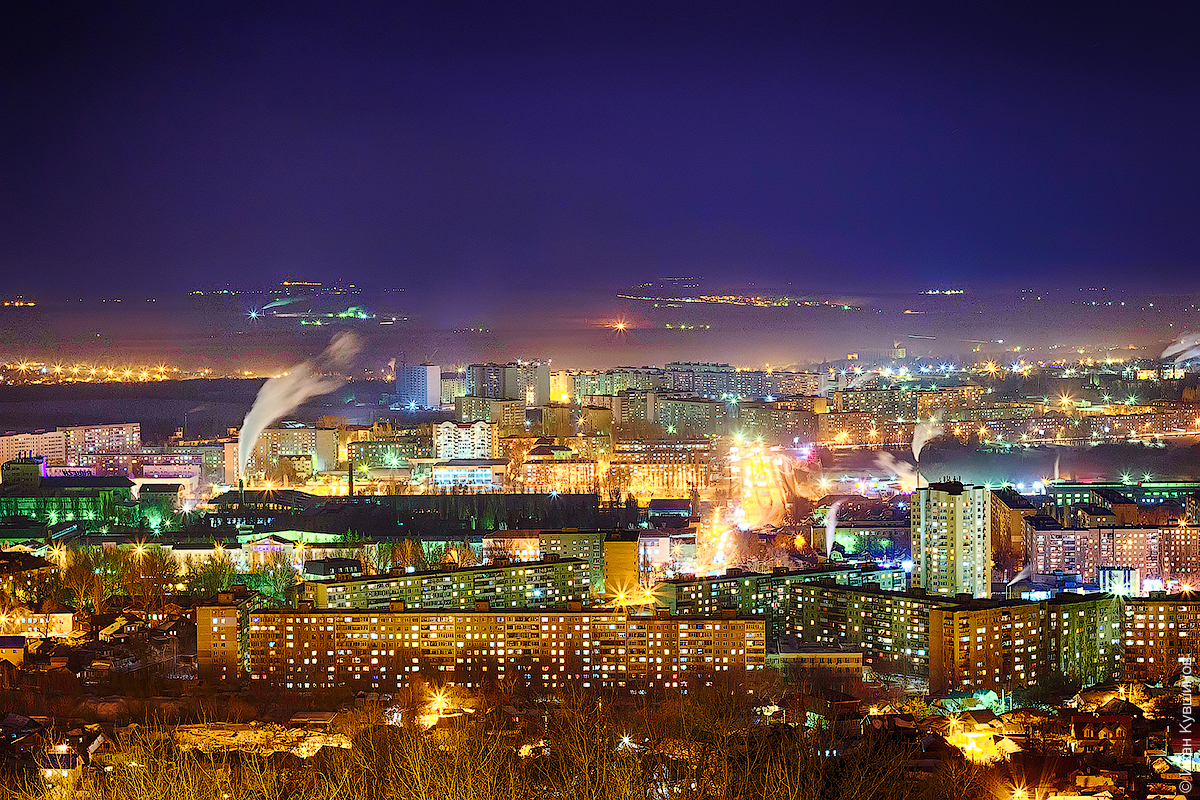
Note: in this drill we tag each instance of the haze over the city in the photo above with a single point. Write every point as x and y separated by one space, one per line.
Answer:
599 400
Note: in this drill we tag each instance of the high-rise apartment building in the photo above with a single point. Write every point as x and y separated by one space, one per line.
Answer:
454 384
493 381
692 415
465 440
527 381
418 386
222 634
50 445
507 415
1009 511
286 443
125 437
533 382
952 539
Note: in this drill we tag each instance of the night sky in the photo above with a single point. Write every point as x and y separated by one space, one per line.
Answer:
469 147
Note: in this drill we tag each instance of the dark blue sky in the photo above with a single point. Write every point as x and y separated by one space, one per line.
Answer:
466 147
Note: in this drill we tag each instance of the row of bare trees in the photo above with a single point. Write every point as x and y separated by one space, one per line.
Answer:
582 748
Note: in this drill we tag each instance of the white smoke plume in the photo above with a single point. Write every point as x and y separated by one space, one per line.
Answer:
282 395
831 526
1184 348
860 379
926 431
1025 572
906 474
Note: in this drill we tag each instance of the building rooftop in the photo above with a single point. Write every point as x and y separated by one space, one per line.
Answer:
1012 499
161 488
496 565
948 487
506 612
1092 508
86 482
1041 522
286 497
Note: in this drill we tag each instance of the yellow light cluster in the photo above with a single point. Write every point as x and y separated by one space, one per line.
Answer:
94 373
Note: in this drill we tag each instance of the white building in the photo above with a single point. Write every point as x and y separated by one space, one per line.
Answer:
472 474
121 437
51 445
952 539
418 386
465 440
273 444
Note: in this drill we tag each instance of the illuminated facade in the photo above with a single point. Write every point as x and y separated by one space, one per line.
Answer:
1162 634
114 438
465 440
694 416
527 381
393 452
986 645
880 404
318 444
507 415
222 634
892 629
585 545
612 382
952 539
386 650
418 386
1009 511
948 400
35 623
469 474
1084 637
532 584
848 427
776 423
51 445
572 475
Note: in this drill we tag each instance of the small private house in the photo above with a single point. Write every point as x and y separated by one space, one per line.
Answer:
12 649
1099 733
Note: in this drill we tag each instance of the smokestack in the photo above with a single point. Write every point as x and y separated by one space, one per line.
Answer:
241 492
350 484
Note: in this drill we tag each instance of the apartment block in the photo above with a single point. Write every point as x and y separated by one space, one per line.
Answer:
532 584
50 445
124 437
507 415
952 539
583 545
222 634
387 650
775 595
892 629
986 644
1009 511
1162 635
695 416
465 440
1084 637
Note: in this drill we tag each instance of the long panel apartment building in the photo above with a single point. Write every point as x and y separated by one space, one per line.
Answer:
770 595
550 582
386 650
965 643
